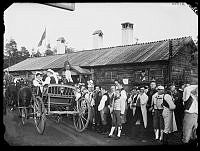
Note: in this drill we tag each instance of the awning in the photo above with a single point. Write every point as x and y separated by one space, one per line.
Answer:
81 70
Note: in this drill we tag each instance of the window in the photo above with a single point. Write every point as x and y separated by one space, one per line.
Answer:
141 75
113 75
107 75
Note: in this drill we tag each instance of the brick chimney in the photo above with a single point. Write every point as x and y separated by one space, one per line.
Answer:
97 39
60 45
127 33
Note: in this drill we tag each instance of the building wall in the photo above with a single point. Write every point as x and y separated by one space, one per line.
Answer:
181 71
105 75
181 66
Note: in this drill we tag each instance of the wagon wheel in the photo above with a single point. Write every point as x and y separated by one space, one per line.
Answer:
81 119
39 114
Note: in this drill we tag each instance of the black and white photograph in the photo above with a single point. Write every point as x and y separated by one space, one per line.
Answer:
100 74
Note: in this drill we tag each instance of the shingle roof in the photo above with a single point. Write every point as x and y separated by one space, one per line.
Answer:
143 52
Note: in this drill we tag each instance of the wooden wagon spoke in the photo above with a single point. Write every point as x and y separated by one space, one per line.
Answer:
79 123
84 118
82 122
76 121
85 113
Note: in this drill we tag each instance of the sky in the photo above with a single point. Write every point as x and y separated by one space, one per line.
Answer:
25 23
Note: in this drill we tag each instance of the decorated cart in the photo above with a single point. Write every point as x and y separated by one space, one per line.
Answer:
57 99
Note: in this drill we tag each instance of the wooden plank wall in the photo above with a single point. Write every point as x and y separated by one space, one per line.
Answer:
181 66
105 75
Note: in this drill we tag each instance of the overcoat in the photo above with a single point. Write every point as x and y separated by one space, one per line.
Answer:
143 103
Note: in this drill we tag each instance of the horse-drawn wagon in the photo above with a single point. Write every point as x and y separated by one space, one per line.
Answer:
57 99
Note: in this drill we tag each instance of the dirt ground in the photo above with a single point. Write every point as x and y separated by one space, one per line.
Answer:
62 134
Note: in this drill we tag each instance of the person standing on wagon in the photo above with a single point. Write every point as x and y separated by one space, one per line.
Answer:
68 75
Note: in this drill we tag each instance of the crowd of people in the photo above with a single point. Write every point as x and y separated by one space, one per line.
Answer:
155 110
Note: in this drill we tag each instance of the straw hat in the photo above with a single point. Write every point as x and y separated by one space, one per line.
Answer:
160 87
51 71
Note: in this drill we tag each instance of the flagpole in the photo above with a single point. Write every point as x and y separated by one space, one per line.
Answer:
46 38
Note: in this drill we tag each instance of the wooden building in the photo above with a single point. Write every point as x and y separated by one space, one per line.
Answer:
164 61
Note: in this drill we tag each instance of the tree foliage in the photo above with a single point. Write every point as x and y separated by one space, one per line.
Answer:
12 55
49 52
37 54
69 50
193 6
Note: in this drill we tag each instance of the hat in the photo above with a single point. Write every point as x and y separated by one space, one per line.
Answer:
146 87
141 88
56 73
84 89
153 80
90 86
38 73
160 88
135 88
49 70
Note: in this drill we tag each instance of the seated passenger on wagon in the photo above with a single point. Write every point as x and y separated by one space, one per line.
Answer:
55 75
49 80
37 82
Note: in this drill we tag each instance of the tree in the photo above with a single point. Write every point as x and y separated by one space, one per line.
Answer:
10 53
193 6
55 50
23 54
49 52
37 54
194 58
69 50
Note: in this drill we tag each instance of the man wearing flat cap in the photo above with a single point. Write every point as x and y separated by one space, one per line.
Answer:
163 118
157 108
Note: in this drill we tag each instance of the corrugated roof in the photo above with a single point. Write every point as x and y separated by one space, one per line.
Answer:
36 63
143 52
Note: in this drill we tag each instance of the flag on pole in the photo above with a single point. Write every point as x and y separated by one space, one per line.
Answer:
42 38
